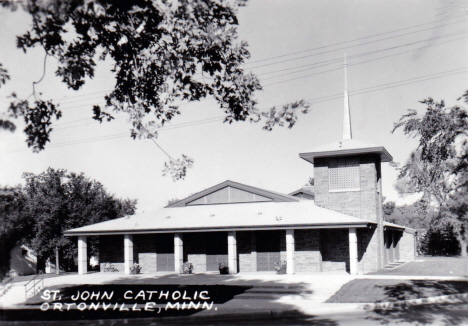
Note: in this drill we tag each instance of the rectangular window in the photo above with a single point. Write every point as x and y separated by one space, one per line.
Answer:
344 174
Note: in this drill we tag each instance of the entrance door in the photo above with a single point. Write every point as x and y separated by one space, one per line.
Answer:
268 250
165 252
216 250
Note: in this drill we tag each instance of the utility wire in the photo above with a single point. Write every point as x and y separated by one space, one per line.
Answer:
328 51
350 41
349 65
304 51
316 100
334 60
317 64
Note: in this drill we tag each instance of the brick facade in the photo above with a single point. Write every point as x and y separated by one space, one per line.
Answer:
308 257
334 246
407 247
145 254
111 251
364 203
195 250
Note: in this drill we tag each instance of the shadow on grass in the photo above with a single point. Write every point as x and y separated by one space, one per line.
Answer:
221 290
438 312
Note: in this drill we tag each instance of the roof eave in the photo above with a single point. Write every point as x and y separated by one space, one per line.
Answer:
384 155
363 224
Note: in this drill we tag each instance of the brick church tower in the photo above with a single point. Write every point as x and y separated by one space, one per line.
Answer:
348 179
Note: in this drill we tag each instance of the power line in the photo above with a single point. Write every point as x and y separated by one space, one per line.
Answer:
303 51
349 65
339 49
340 60
358 39
316 100
333 60
317 64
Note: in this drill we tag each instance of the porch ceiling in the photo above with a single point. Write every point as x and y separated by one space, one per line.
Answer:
251 216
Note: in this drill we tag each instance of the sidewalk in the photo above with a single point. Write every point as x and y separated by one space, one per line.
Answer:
320 286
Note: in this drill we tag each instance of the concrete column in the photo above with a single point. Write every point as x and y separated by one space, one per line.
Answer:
353 251
82 255
290 252
178 252
232 252
128 252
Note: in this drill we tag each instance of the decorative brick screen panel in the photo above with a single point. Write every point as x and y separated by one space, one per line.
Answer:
344 174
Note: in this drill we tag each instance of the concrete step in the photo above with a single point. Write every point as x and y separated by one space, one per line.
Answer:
394 265
14 296
278 291
267 296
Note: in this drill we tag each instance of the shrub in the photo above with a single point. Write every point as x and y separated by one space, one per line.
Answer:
280 267
187 268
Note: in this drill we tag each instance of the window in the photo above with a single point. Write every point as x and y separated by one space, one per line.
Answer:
24 252
344 174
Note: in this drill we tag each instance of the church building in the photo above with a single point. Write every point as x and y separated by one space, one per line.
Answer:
336 226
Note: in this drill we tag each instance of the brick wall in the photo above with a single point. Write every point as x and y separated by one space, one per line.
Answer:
356 203
195 250
307 251
407 247
334 246
144 247
111 251
368 250
365 203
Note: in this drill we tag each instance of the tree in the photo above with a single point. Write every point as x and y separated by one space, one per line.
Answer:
438 168
162 52
12 223
56 200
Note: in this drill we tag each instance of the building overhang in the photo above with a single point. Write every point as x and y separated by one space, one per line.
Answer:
226 217
364 224
346 147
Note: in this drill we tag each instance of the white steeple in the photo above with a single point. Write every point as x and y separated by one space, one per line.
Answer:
347 115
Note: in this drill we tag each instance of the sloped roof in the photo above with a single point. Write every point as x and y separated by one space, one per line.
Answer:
346 147
249 216
275 196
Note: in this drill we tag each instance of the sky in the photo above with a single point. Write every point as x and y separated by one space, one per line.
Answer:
398 53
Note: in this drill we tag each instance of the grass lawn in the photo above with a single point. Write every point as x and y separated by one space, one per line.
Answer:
430 266
371 291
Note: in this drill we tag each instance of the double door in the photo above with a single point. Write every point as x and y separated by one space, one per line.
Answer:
165 253
268 250
216 250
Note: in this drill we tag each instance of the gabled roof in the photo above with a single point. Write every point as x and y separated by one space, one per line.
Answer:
303 194
225 217
346 147
264 195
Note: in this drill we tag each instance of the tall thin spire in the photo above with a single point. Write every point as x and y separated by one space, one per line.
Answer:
346 114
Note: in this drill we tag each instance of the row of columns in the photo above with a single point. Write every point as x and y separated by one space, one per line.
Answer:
232 252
